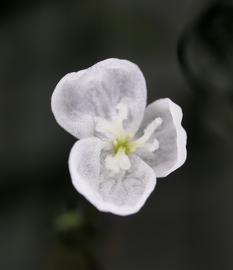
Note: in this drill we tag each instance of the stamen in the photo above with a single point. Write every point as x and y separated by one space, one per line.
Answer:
123 159
114 127
148 131
118 162
151 147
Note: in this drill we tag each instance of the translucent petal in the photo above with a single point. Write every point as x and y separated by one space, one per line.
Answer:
126 192
84 166
123 193
95 92
171 137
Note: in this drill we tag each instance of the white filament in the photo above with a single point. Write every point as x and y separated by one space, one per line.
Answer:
148 131
117 162
114 127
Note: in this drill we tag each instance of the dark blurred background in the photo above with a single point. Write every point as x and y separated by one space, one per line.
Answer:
185 50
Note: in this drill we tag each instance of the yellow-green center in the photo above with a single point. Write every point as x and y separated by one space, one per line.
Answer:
123 145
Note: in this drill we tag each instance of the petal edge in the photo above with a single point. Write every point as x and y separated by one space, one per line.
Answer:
171 136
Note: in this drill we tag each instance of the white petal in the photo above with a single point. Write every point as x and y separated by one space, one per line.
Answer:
171 136
123 193
84 166
81 96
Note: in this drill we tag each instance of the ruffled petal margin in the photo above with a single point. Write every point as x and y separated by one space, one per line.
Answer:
121 194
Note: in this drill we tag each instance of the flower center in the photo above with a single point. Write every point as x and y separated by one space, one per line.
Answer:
121 142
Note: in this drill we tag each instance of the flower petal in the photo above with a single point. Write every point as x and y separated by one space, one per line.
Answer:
126 192
95 92
171 137
123 193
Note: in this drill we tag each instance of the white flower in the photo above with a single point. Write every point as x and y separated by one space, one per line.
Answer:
123 146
